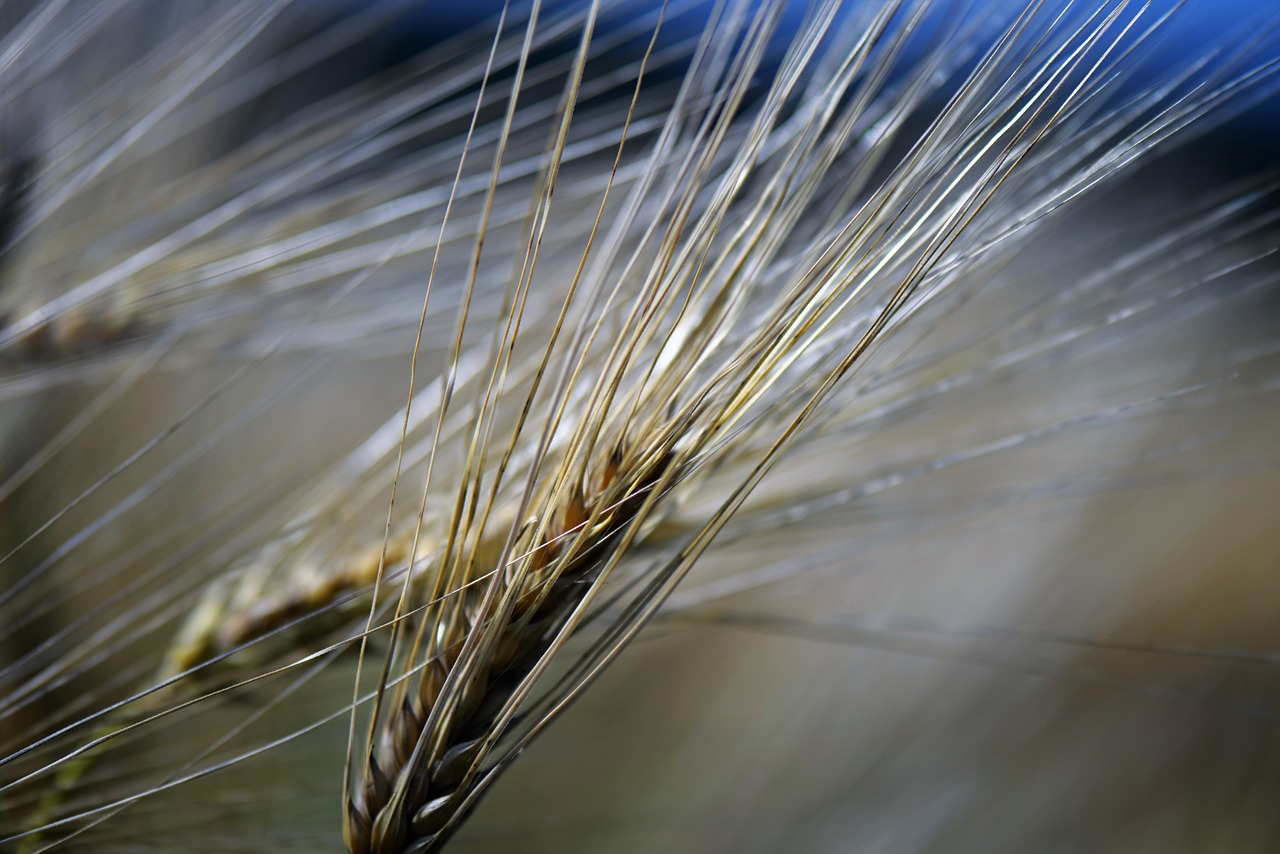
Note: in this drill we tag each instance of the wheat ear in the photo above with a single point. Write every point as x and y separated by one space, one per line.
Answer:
782 228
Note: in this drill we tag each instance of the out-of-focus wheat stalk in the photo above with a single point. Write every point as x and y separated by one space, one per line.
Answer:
363 393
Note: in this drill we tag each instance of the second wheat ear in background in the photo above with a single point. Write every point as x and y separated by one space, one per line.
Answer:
388 394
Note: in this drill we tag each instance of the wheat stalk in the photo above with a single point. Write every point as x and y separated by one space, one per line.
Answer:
724 282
